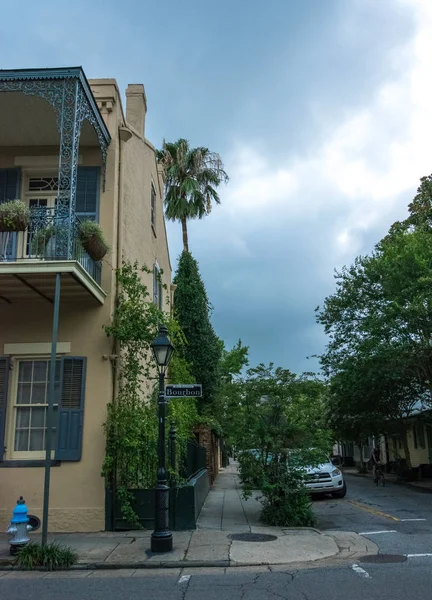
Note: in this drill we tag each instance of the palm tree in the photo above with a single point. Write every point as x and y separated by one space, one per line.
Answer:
191 178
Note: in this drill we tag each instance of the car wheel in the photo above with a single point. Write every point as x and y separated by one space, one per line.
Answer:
341 493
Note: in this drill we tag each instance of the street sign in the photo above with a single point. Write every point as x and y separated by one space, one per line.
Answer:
182 391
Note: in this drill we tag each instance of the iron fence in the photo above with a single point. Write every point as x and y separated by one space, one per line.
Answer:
194 460
51 235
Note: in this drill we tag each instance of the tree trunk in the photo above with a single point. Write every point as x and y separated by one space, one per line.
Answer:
185 234
362 468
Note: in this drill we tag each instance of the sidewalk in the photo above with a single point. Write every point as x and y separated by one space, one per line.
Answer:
224 515
423 485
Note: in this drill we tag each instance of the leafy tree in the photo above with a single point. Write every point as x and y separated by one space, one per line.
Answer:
379 323
420 208
374 393
228 408
267 389
233 361
203 349
192 176
384 299
276 421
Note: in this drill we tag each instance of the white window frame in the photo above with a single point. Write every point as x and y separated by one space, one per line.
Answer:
157 286
27 196
153 206
11 411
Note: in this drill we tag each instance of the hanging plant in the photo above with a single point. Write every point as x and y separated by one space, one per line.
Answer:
92 239
40 239
14 216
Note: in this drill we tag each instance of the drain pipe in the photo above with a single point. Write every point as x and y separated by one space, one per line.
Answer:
124 135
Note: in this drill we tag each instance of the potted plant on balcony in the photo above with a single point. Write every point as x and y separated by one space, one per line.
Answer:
92 239
40 239
14 216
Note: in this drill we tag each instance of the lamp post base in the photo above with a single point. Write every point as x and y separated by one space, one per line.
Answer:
161 542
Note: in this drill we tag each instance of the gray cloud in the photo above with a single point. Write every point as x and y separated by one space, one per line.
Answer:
319 109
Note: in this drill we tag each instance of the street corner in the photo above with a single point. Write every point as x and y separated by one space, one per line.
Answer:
352 545
310 546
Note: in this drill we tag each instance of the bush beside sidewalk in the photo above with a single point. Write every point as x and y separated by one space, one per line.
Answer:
225 513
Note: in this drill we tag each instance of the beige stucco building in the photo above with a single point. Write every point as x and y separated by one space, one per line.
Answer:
69 151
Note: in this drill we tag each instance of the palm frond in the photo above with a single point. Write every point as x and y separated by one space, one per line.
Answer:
191 178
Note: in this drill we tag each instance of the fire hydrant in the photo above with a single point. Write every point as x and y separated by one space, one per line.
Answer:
19 527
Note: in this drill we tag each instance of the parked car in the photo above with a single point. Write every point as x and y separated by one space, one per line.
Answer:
326 479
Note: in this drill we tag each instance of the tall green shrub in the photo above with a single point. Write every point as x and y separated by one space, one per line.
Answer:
203 349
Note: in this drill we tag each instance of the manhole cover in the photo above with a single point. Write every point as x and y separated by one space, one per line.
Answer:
383 558
252 537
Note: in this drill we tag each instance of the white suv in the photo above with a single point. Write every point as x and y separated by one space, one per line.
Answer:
326 479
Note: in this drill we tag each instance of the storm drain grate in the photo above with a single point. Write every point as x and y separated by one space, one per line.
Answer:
383 558
252 537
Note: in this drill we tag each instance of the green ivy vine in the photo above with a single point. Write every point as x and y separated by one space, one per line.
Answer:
131 426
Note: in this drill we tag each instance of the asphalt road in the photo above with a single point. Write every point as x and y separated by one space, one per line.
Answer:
398 519
386 582
382 514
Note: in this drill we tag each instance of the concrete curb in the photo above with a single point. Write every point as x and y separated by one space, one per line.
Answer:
184 564
350 546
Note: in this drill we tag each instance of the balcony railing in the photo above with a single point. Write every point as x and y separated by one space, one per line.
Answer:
51 235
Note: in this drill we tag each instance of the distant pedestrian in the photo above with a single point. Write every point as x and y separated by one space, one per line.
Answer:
375 459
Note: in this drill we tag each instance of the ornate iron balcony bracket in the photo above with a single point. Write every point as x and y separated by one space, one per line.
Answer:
69 94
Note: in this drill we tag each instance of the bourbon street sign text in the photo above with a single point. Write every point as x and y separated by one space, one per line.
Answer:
177 391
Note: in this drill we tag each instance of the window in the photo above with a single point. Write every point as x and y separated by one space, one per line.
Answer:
31 407
24 392
9 184
87 193
43 184
10 188
421 436
157 286
40 193
414 432
153 205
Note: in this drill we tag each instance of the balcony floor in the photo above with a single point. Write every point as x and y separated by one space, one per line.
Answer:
26 281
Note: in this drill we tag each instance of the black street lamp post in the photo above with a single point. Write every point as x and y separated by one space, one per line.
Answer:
161 538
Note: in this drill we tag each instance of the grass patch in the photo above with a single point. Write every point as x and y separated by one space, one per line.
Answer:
51 556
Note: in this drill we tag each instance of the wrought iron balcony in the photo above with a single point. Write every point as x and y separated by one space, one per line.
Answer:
52 235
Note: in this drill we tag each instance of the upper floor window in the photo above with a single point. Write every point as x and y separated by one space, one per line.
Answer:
43 191
153 205
87 193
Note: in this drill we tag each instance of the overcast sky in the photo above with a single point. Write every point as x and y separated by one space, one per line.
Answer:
320 109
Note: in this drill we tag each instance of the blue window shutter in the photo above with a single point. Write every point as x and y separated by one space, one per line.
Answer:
87 193
10 180
10 184
71 408
4 377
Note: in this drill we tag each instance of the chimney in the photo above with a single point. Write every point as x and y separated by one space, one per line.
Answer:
136 107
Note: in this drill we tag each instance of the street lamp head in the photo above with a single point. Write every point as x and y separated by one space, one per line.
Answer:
162 349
